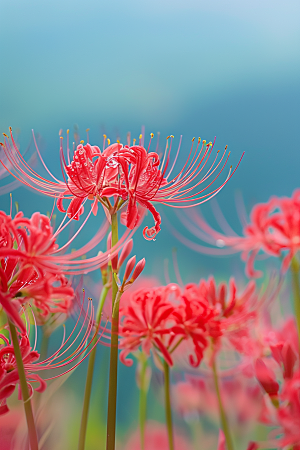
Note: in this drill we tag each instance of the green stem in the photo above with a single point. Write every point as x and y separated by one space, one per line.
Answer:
168 406
90 373
24 389
143 399
224 422
114 347
296 290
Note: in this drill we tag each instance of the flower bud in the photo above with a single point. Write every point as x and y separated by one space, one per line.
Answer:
138 269
129 267
266 377
125 253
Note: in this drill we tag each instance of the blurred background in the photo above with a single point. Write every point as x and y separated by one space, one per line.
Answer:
193 68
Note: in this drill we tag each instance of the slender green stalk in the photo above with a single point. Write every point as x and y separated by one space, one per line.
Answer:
143 399
90 373
168 406
295 268
114 347
24 389
223 418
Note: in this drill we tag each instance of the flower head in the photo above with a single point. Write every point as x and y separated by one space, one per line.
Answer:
25 246
274 229
9 376
131 175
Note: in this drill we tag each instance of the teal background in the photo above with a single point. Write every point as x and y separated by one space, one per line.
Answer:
193 68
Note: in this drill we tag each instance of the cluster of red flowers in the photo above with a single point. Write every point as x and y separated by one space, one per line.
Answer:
170 322
159 319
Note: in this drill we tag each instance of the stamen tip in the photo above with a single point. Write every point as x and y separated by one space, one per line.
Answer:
81 142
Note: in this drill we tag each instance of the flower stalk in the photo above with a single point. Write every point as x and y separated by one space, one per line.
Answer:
90 373
168 406
223 418
143 398
114 347
295 269
32 434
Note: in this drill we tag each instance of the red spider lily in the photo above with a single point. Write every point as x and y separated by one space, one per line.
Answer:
161 318
72 351
9 376
33 266
192 319
147 321
228 314
25 273
274 228
131 174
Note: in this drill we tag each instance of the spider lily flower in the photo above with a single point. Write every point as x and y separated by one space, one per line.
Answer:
227 314
9 376
147 321
131 175
274 229
159 319
72 351
33 267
